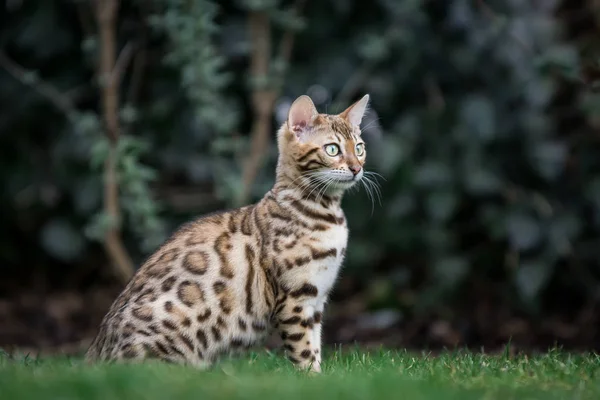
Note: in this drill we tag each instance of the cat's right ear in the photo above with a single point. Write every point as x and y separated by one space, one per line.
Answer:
302 115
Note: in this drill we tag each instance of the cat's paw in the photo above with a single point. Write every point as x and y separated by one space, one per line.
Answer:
315 368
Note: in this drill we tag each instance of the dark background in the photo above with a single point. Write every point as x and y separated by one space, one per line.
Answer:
119 124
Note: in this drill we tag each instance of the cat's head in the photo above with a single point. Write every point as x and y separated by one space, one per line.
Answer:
321 150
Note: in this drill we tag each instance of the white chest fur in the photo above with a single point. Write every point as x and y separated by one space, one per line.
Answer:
316 259
325 271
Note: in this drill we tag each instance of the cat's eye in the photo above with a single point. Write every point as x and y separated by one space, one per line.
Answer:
360 149
332 150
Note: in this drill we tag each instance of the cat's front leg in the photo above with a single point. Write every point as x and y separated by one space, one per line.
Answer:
317 318
300 335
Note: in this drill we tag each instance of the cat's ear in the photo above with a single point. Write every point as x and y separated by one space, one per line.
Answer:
301 115
354 114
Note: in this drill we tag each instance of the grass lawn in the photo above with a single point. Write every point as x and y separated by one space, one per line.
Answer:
347 375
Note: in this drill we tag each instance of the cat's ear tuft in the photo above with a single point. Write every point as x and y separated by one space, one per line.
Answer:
301 115
354 114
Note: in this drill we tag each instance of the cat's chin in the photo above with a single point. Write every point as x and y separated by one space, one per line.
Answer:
341 186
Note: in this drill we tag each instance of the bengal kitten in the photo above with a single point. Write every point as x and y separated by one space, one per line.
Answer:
224 281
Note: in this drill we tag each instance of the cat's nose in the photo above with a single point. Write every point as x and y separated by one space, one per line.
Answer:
354 168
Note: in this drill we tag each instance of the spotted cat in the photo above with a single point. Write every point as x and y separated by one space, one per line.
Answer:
222 282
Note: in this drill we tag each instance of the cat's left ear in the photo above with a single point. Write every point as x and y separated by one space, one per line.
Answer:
354 114
302 115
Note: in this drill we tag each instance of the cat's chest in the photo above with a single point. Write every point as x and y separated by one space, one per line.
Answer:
328 252
311 256
333 240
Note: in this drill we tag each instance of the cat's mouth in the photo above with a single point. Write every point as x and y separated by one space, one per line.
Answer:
336 181
355 178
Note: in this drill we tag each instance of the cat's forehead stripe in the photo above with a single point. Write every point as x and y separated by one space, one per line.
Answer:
342 127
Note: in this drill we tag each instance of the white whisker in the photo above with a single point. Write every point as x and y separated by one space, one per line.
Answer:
375 187
307 180
322 192
369 194
372 122
320 183
371 173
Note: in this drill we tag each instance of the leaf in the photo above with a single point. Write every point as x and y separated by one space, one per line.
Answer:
539 92
531 278
99 225
461 14
437 239
87 124
440 205
477 112
99 152
591 104
373 47
129 114
432 174
89 45
87 195
450 270
362 252
592 192
563 229
31 77
62 240
146 173
408 127
390 156
493 219
480 181
549 158
523 231
560 56
401 205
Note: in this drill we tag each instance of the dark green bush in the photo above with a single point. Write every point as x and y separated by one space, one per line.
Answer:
483 185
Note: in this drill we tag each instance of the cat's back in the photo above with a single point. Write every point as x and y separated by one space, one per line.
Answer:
200 250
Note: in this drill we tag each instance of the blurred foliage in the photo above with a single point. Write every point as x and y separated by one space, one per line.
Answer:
485 184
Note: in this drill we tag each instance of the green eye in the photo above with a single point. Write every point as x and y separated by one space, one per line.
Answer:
332 150
360 149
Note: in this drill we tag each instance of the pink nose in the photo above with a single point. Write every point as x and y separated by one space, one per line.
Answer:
354 168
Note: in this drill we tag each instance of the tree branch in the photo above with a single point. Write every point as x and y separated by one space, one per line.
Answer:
121 64
137 76
59 100
263 94
262 98
140 60
110 71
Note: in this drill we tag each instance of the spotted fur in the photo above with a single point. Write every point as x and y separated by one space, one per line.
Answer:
224 281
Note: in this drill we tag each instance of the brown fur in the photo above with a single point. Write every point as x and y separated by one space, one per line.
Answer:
223 281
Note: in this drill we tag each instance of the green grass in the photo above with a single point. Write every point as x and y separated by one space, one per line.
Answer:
348 375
